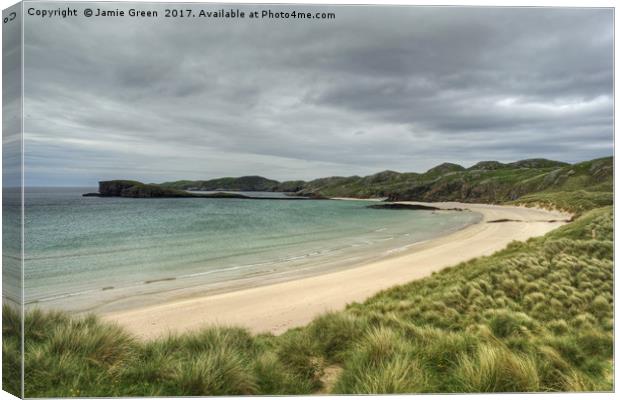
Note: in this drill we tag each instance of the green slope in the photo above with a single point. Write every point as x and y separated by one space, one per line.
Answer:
245 183
487 182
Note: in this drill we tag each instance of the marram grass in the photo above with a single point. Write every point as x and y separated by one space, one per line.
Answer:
536 316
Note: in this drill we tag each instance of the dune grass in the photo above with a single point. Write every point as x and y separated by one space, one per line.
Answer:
575 202
536 316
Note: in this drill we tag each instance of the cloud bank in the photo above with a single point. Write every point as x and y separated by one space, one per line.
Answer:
402 88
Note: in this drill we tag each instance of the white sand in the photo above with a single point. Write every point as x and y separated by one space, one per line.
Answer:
280 306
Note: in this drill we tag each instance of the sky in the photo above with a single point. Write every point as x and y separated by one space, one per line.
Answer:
11 104
376 88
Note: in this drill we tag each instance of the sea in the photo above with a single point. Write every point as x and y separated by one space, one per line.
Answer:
96 254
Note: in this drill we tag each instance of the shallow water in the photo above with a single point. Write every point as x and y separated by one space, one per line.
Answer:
85 252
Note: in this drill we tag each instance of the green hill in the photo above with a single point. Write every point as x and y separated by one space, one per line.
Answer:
485 182
444 168
244 183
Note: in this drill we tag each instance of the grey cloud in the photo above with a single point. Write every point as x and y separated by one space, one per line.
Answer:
400 88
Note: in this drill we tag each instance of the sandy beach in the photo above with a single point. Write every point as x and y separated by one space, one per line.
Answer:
280 306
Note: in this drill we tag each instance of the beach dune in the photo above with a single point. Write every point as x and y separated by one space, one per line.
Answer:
277 307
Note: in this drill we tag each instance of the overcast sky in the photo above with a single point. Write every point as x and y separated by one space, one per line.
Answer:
401 88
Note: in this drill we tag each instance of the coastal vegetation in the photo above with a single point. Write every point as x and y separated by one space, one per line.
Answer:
575 202
484 182
536 316
244 183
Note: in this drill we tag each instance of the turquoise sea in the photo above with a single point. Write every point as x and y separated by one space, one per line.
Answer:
90 253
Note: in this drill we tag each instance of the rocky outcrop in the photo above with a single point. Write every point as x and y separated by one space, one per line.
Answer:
135 189
289 186
400 206
125 188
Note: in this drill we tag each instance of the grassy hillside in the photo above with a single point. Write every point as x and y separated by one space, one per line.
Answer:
536 316
247 183
486 181
576 201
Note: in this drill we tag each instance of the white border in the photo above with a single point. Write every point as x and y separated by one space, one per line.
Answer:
485 3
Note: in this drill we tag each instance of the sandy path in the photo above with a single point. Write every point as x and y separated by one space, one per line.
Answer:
280 306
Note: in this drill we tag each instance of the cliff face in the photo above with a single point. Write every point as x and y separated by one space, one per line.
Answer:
124 188
134 189
114 188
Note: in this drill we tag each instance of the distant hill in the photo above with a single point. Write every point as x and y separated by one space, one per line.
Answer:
537 163
444 169
485 182
244 183
529 163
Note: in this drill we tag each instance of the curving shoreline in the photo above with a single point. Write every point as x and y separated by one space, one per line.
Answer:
280 306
